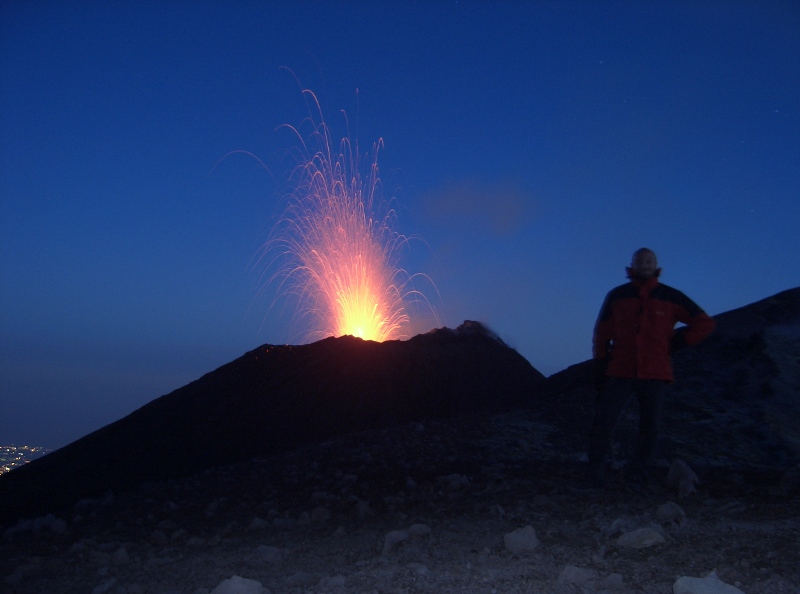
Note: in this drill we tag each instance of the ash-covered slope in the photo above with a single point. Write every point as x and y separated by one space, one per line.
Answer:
736 398
275 398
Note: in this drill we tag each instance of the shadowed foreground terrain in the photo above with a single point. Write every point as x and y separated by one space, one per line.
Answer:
463 480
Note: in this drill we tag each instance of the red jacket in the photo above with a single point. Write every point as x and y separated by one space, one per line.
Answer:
636 326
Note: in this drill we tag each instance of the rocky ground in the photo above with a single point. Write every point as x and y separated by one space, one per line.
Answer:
477 505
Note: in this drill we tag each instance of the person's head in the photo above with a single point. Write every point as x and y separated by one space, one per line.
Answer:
644 264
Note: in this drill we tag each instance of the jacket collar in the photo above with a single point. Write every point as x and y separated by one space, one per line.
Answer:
643 284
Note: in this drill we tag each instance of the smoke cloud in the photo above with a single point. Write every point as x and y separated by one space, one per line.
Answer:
501 208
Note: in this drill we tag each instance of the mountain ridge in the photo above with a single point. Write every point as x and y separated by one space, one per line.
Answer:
734 404
275 398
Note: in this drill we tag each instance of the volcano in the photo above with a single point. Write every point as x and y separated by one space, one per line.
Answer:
275 398
734 405
445 463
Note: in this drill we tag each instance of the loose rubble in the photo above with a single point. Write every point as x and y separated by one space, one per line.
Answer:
466 506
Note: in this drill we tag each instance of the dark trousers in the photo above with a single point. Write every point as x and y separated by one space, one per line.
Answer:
611 400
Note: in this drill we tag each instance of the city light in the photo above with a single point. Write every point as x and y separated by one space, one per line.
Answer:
12 456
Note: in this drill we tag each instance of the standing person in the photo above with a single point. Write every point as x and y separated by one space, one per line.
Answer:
633 339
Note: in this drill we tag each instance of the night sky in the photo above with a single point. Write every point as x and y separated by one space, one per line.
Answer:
531 146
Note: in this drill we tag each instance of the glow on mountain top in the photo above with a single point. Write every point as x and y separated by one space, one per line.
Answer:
335 248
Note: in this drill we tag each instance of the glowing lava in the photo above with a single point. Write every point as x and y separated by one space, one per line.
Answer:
334 251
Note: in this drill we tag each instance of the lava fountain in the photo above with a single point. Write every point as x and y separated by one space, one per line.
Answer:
335 248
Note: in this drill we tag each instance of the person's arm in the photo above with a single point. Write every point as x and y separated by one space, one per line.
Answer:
602 341
699 325
602 337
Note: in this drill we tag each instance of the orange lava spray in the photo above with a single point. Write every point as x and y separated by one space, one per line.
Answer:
334 250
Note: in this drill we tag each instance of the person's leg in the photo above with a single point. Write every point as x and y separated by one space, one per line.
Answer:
610 402
648 393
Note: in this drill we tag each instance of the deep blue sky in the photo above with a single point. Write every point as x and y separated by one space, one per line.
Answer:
533 145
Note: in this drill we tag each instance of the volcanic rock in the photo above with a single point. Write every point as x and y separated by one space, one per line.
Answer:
641 538
670 512
276 398
711 584
521 540
239 585
577 576
682 478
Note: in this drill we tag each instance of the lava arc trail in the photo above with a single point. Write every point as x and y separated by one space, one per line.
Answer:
335 248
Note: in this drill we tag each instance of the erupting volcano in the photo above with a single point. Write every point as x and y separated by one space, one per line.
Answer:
335 248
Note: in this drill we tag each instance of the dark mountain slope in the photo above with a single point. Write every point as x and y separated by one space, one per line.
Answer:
275 398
